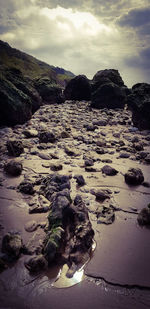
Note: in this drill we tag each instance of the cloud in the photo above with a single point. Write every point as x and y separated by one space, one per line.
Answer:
135 18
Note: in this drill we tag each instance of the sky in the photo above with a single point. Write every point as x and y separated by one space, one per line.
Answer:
82 36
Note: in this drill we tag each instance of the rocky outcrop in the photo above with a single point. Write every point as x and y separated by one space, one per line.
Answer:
12 245
108 90
139 103
49 92
69 234
78 88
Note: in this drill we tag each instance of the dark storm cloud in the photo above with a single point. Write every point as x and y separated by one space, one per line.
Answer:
135 18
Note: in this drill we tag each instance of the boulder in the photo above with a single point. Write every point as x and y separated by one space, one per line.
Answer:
15 148
13 168
26 187
109 171
134 176
108 95
144 216
139 102
18 98
50 92
78 88
108 90
12 244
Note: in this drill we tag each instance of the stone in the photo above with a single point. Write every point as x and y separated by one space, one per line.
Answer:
124 155
26 187
78 88
39 204
144 216
36 263
15 148
56 167
80 180
105 215
47 137
12 244
101 195
134 176
89 162
13 168
108 170
147 159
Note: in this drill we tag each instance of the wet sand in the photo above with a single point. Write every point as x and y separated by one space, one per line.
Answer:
117 276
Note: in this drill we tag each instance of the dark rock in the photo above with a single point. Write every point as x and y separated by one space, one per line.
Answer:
89 162
47 137
13 168
78 88
18 97
112 75
134 176
138 146
52 243
144 216
139 103
101 195
15 148
147 159
124 155
146 184
56 167
109 171
50 93
108 95
80 180
108 90
36 263
26 187
12 244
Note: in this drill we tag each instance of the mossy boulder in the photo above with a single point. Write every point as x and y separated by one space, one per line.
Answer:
78 88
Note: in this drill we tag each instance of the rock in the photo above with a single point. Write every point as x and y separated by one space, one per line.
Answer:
78 88
52 243
108 90
138 146
134 176
50 93
144 216
13 168
3 265
109 171
36 263
26 187
56 167
147 159
139 102
31 226
108 75
14 147
12 244
80 180
108 96
47 137
39 204
89 162
106 215
30 133
65 134
124 155
101 195
70 151
19 99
